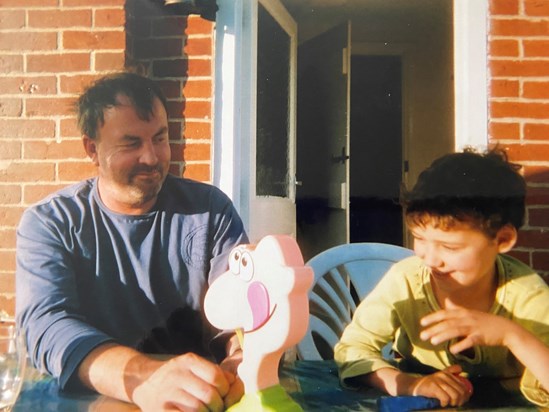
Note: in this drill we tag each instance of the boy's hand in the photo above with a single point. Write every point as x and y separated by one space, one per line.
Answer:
473 328
446 386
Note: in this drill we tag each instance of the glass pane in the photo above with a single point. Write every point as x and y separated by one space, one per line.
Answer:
273 76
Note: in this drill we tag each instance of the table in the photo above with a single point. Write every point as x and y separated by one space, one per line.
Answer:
313 384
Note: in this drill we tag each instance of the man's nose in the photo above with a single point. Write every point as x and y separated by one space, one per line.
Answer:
148 154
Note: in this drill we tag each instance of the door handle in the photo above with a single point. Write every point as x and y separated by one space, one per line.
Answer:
341 158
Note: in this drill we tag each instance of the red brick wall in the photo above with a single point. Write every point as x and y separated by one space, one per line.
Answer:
519 110
49 51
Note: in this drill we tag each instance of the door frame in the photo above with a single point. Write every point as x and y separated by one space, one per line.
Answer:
234 96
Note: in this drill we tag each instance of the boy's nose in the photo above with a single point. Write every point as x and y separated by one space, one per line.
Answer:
431 258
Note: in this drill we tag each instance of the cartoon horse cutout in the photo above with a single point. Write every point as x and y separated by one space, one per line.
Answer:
263 296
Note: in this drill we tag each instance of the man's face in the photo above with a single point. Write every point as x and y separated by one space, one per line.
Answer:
132 156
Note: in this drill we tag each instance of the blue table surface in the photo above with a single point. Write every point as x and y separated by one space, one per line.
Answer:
314 385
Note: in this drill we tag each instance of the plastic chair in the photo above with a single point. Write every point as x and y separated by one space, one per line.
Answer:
344 275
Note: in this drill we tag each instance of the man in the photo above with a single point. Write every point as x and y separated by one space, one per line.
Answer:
115 267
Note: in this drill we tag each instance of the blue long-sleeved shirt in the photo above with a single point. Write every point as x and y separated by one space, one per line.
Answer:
86 275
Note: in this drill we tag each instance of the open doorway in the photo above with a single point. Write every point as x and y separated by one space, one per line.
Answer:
376 164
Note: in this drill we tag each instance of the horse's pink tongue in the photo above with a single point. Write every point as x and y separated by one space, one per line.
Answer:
258 298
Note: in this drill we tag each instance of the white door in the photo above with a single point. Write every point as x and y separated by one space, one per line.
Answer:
323 140
272 194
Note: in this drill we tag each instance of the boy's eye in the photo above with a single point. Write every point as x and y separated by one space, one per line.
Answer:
451 247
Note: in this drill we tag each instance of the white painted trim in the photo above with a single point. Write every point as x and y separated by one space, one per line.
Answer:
471 73
234 101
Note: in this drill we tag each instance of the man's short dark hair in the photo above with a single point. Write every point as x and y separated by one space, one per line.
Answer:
484 189
104 93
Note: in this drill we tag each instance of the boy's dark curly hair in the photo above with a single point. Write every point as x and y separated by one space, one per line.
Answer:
483 189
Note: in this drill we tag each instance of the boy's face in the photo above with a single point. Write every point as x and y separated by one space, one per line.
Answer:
461 256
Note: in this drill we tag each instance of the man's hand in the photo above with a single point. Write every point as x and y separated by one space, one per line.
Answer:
184 383
471 327
446 386
230 364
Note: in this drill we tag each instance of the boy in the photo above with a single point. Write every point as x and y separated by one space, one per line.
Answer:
459 306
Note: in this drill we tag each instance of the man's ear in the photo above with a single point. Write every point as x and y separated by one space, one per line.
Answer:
506 237
90 146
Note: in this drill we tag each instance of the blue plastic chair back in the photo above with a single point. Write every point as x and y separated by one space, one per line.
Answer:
344 275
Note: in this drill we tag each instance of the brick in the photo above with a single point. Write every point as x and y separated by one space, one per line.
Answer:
34 85
200 172
94 3
69 128
51 63
198 89
12 19
200 67
504 48
197 151
198 25
109 18
158 48
538 217
10 194
92 40
503 88
504 7
109 61
537 196
198 110
540 260
7 238
27 128
7 263
11 63
76 171
172 89
536 48
7 300
536 89
176 169
31 41
169 26
26 172
519 109
10 150
198 130
528 152
75 84
57 19
536 7
29 3
532 238
519 27
199 47
10 107
536 131
140 28
175 131
536 174
10 216
499 130
49 106
34 193
175 109
512 68
177 150
66 149
170 68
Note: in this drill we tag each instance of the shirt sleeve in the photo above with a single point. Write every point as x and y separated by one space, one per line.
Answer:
47 309
374 324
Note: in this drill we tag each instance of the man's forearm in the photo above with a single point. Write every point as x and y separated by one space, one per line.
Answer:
116 370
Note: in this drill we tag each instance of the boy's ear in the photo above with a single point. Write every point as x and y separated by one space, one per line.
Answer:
90 146
506 237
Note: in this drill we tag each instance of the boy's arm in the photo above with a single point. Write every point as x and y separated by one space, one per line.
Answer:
479 328
443 385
